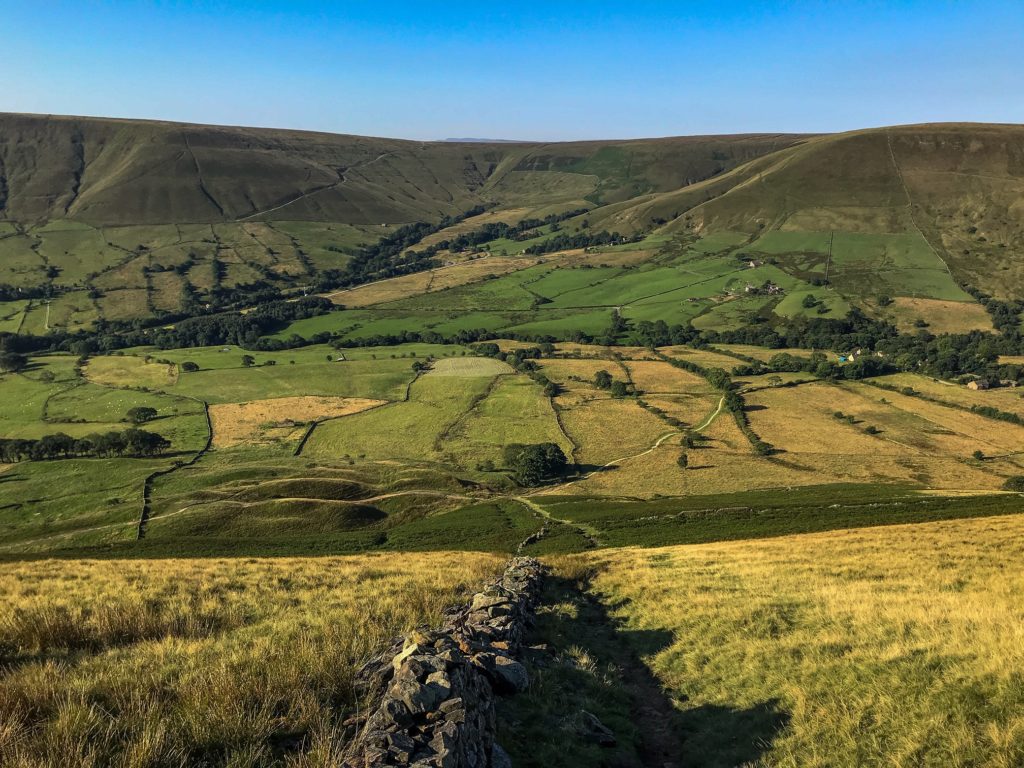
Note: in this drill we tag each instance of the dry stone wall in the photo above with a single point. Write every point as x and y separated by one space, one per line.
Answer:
434 691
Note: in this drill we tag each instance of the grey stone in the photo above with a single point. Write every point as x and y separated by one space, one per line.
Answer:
506 674
482 602
416 697
592 729
401 746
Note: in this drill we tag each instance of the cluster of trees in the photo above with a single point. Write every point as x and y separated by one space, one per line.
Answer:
18 293
130 442
533 464
522 360
604 380
567 241
819 364
732 401
11 362
1005 314
247 330
526 229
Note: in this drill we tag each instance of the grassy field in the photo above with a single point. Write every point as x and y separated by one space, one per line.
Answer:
437 412
915 441
893 645
202 661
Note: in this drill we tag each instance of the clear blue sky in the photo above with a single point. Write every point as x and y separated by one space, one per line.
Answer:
532 70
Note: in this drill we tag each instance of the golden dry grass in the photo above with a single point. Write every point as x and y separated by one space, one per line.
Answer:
703 357
608 429
1009 399
771 379
576 378
941 316
470 271
969 430
919 442
279 418
661 377
691 409
763 353
427 282
469 366
504 216
130 371
202 662
891 646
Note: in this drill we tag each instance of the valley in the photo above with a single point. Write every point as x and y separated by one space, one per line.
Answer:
270 398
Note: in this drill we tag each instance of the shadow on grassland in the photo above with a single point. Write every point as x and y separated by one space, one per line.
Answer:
593 664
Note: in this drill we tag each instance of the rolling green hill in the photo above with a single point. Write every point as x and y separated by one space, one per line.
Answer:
960 186
118 220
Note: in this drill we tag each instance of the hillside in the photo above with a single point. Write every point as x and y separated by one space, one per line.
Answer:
129 172
961 186
124 219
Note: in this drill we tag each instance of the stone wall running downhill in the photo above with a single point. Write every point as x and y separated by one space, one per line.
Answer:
434 691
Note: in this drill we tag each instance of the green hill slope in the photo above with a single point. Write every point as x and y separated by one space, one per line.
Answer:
960 186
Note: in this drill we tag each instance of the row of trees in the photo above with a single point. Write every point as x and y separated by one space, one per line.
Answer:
130 442
526 229
819 364
391 255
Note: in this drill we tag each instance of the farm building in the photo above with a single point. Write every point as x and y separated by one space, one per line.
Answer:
977 384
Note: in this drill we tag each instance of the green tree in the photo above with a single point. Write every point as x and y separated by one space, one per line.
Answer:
533 464
12 361
189 367
603 380
248 361
619 389
683 461
141 414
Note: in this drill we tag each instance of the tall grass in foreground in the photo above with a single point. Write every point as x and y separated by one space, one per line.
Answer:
202 662
891 646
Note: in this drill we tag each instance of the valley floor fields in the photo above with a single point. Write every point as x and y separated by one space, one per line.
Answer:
420 429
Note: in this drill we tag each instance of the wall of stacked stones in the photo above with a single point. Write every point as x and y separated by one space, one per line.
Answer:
433 692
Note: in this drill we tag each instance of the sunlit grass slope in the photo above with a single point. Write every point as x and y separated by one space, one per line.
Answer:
889 646
201 662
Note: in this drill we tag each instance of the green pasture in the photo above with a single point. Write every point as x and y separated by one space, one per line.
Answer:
508 292
50 505
11 315
418 429
515 411
792 304
380 379
19 264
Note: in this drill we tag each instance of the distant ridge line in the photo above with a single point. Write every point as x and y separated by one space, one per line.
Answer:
489 141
